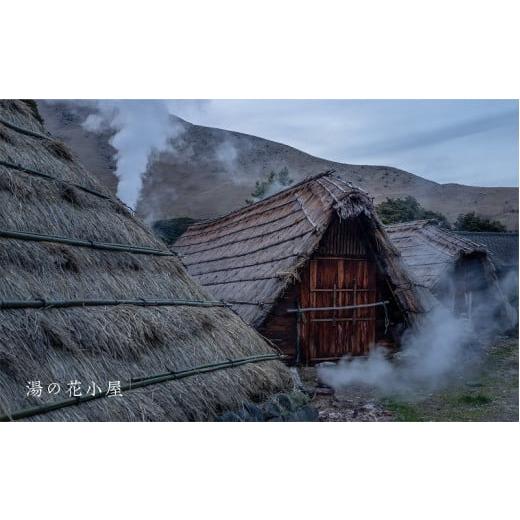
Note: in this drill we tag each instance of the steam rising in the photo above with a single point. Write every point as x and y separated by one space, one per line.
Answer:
427 358
443 346
141 128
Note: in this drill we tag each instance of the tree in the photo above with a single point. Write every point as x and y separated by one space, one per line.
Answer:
270 184
169 230
393 211
472 222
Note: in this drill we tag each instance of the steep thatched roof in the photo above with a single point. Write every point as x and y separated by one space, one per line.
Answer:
430 251
503 247
69 253
432 254
251 255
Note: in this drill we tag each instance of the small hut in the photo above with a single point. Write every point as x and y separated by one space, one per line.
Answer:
457 271
93 306
310 267
503 252
501 246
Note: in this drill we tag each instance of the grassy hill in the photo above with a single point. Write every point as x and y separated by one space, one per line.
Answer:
207 172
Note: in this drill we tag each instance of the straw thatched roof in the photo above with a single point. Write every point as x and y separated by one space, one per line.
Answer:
250 256
503 247
69 254
430 252
432 255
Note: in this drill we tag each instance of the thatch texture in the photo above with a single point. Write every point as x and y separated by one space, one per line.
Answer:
250 256
432 254
114 342
430 251
502 247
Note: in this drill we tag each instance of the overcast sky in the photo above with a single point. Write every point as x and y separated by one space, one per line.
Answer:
466 141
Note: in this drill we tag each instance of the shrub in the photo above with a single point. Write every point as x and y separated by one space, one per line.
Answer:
472 222
270 184
393 211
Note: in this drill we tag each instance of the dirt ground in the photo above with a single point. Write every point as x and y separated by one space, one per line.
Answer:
489 392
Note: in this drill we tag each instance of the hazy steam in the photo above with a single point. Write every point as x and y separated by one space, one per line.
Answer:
226 154
427 358
141 128
444 345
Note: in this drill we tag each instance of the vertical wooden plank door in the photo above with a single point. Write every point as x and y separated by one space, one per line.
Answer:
337 282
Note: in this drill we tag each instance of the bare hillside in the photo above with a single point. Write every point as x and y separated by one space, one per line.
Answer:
207 172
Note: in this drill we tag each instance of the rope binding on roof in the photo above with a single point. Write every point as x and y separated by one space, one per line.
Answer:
42 303
24 131
141 382
35 173
107 246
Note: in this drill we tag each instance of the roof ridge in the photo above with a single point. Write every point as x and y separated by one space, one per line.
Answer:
210 221
418 223
467 241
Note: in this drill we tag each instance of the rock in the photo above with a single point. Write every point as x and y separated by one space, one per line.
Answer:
229 417
253 412
299 399
304 414
286 403
272 410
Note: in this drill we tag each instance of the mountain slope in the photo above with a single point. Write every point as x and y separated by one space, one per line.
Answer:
207 172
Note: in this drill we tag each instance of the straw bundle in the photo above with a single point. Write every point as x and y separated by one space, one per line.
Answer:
107 343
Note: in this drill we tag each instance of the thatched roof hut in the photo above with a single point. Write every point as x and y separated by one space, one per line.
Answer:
454 269
502 247
88 294
320 244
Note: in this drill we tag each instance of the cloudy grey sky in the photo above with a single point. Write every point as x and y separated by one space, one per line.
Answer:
465 141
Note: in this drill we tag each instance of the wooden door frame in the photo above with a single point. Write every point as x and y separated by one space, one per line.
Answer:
305 345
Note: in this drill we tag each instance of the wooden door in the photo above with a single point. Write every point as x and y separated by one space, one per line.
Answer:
337 282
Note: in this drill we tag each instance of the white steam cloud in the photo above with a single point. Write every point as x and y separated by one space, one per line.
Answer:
427 358
430 356
227 154
141 128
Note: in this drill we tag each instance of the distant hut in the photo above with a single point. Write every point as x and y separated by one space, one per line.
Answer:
88 296
310 267
502 248
457 271
503 252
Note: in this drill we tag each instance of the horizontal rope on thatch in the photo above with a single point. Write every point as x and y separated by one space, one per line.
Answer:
251 237
41 303
252 251
140 383
107 246
244 266
234 223
30 171
258 278
24 131
240 230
